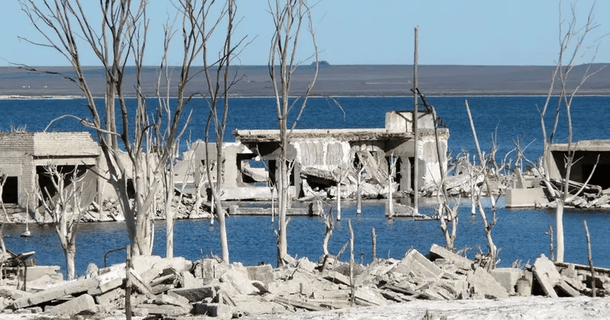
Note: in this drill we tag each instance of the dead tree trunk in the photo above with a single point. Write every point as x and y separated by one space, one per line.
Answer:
288 18
590 258
573 46
119 40
329 224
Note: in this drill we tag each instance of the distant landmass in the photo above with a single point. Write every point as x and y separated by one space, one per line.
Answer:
333 80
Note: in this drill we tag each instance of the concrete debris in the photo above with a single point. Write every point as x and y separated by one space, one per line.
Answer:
177 287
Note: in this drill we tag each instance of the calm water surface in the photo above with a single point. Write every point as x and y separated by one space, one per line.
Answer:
521 234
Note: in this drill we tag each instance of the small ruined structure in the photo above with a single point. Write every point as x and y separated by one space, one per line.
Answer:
327 157
23 156
591 162
586 154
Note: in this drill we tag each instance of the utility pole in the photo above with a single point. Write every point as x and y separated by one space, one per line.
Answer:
415 132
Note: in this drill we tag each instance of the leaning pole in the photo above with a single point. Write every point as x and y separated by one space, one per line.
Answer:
415 133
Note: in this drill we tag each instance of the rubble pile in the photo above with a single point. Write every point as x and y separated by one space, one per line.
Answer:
374 179
582 196
178 287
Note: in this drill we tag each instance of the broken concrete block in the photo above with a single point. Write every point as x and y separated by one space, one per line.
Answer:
217 310
437 251
177 264
109 296
483 285
92 270
329 262
36 272
175 300
237 277
262 273
507 277
196 294
418 264
574 282
370 296
13 293
106 286
165 310
458 288
140 285
188 280
567 289
209 269
305 265
569 271
56 292
547 275
336 277
110 279
82 304
143 263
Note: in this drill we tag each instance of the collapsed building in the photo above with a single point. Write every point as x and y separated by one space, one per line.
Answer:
588 176
24 155
323 158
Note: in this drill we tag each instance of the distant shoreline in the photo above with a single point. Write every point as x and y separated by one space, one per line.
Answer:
332 81
474 95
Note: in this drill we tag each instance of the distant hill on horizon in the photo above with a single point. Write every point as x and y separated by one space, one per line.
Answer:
333 80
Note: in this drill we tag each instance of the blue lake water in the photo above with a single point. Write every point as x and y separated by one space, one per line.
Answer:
521 234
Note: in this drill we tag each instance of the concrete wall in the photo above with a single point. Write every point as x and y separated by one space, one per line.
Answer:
16 160
322 154
403 121
22 152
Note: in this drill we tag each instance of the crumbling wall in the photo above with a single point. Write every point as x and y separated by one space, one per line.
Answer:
430 160
16 152
322 154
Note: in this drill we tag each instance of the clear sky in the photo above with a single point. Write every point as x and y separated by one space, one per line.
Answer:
468 32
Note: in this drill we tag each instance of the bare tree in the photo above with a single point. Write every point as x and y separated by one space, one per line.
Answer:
118 42
573 48
63 203
446 213
288 19
219 81
3 177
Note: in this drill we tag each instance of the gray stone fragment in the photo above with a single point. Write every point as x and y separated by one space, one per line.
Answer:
437 251
483 285
82 304
416 263
507 277
547 275
262 273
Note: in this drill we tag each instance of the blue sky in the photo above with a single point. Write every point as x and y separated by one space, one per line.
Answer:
469 32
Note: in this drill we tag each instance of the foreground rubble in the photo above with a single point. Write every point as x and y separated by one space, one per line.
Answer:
181 288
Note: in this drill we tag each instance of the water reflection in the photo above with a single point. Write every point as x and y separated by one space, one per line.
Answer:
520 234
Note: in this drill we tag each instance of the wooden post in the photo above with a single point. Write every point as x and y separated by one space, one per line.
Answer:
550 232
339 194
481 160
374 244
584 222
128 284
212 211
390 195
415 131
351 262
359 192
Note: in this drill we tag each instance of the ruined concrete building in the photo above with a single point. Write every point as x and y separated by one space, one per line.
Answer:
590 159
23 156
591 165
323 157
